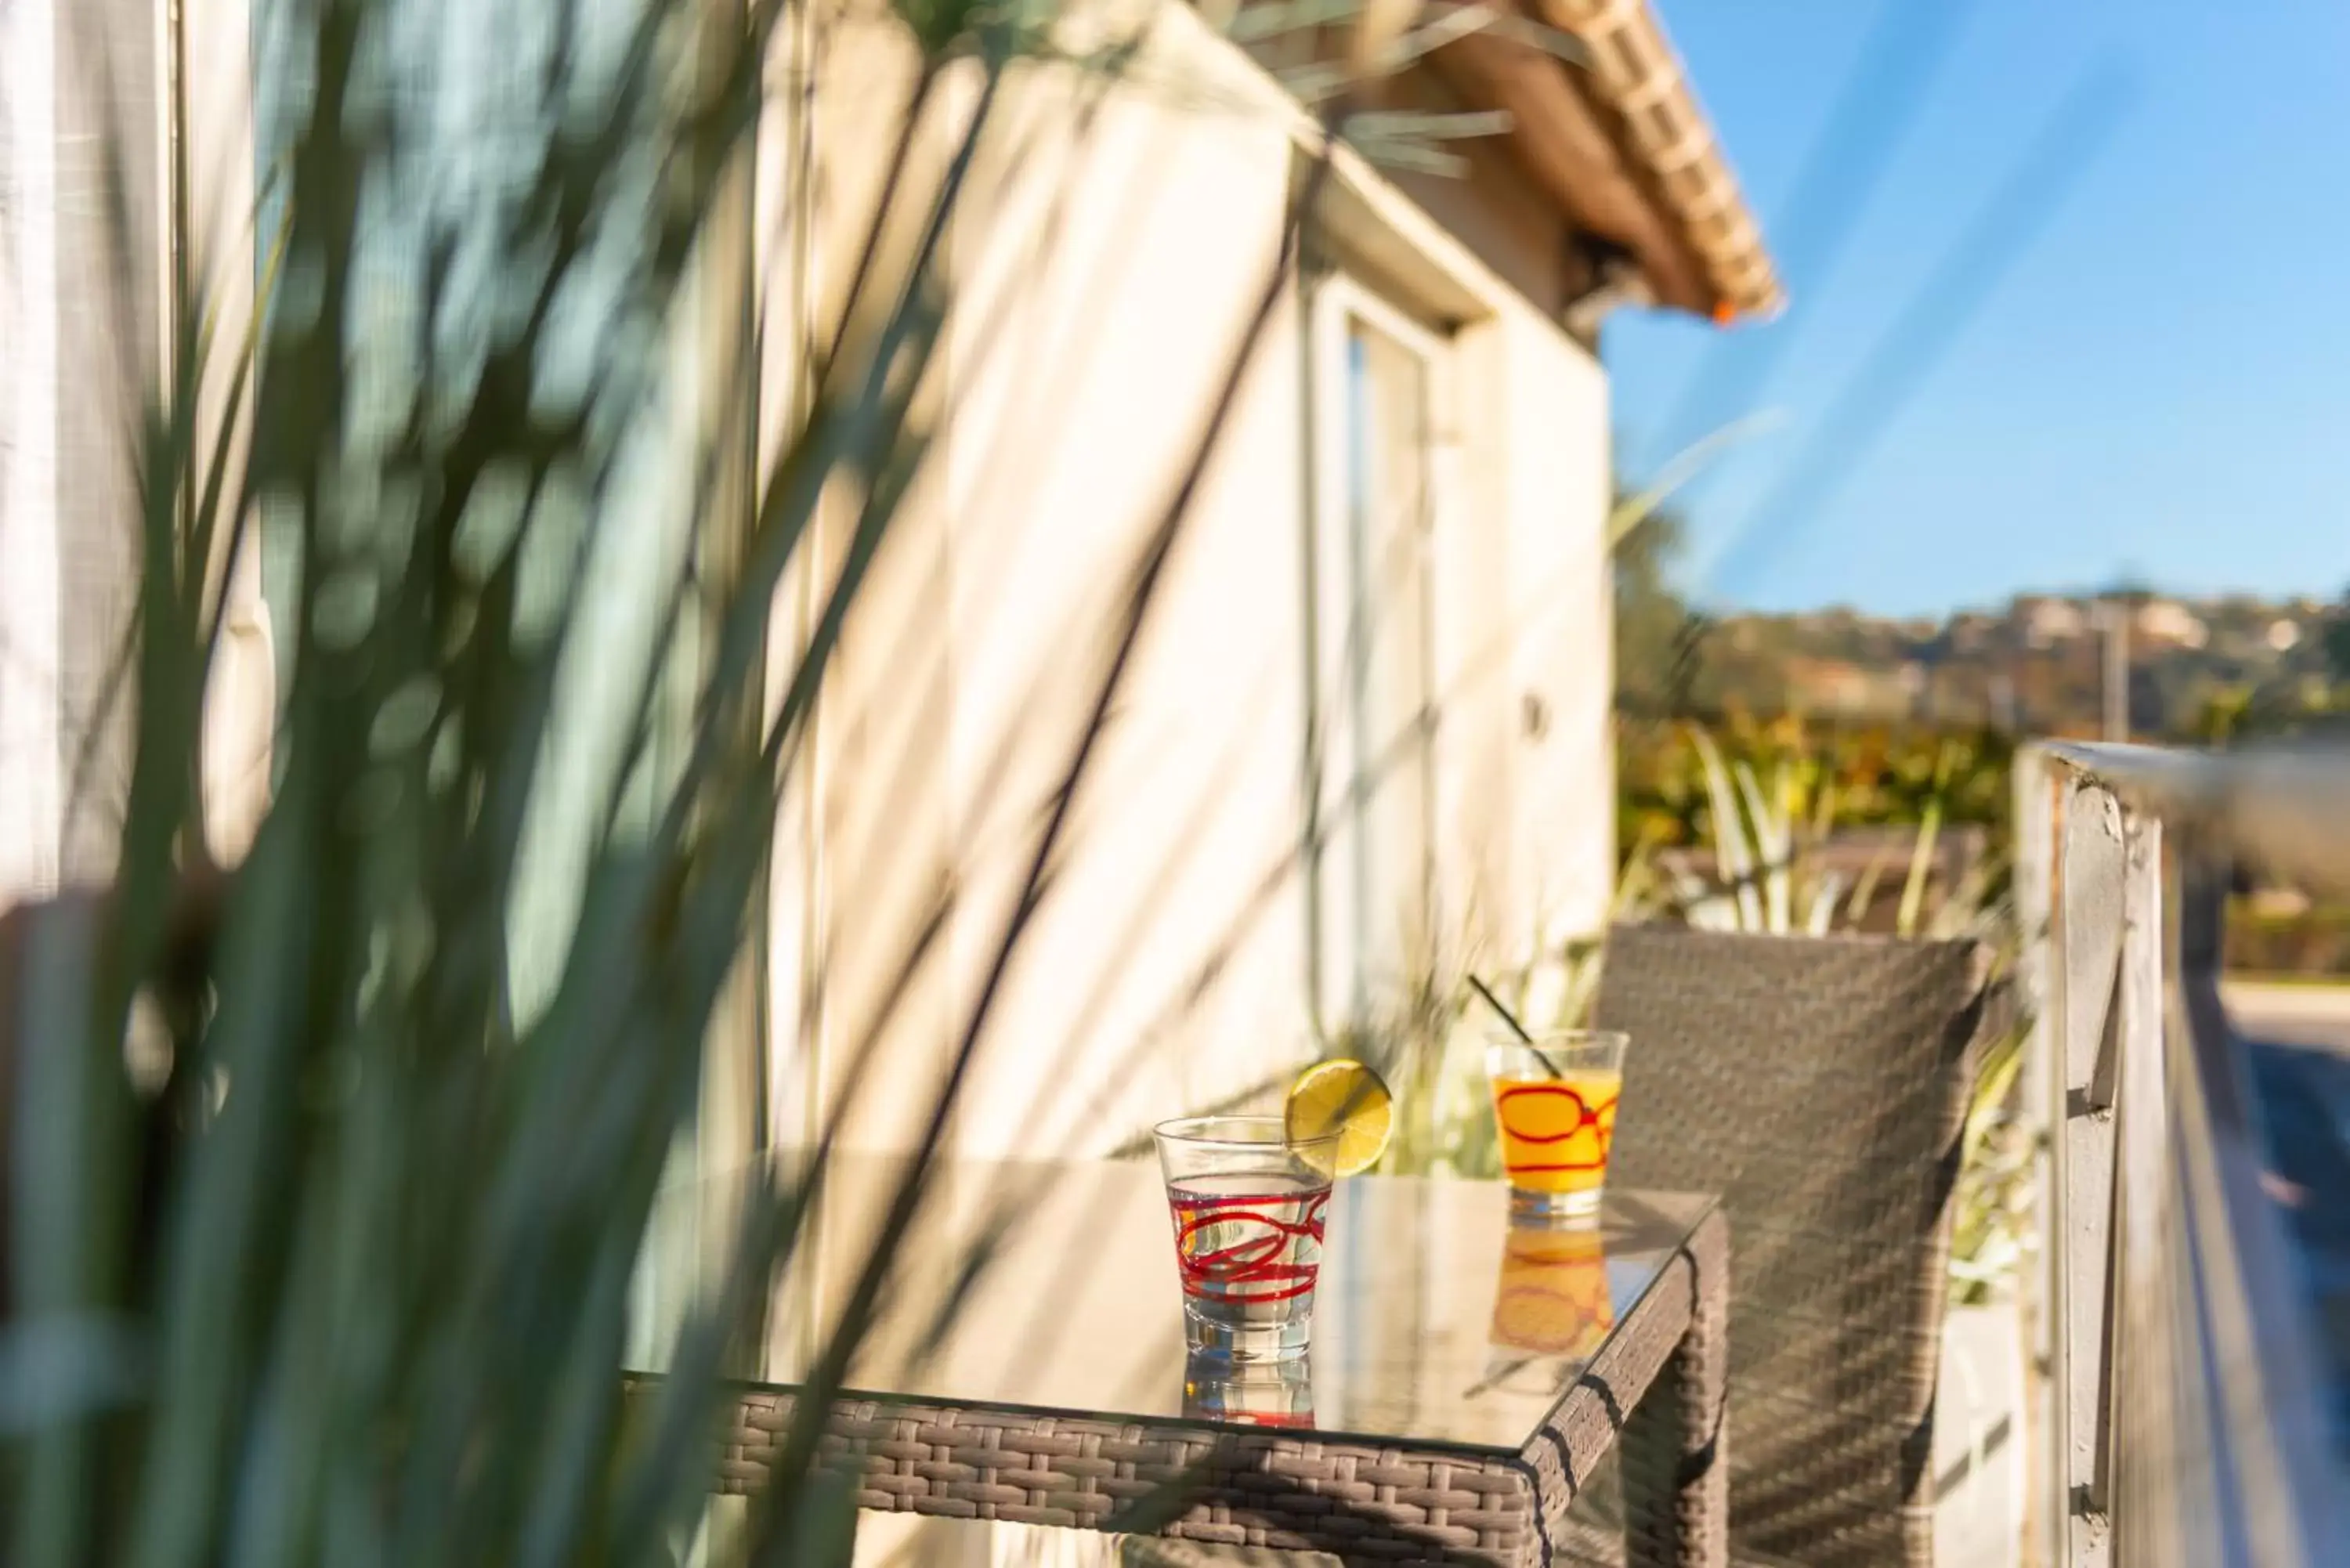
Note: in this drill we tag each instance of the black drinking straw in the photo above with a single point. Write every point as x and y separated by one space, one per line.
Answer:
1516 1028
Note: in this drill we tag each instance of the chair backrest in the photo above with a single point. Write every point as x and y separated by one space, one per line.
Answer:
1820 1085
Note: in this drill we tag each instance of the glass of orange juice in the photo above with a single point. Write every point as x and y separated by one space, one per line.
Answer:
1555 1102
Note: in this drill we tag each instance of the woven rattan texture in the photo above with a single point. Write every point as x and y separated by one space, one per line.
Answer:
1820 1085
1363 1503
1371 1504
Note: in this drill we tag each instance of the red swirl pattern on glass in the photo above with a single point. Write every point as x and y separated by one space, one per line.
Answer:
1247 1248
1599 1118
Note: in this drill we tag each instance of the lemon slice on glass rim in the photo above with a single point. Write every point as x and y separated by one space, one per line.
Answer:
1340 1099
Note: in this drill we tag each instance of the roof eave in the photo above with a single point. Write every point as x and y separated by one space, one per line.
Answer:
1636 83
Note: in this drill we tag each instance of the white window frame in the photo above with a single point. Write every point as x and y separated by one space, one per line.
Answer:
1344 943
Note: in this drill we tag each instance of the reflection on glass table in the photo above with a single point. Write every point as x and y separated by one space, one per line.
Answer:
1078 1304
1249 1393
1551 1301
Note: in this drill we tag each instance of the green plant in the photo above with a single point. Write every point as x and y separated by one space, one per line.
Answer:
1992 1233
1769 843
369 1246
343 1271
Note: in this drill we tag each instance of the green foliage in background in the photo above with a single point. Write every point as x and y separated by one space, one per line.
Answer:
2310 941
1845 776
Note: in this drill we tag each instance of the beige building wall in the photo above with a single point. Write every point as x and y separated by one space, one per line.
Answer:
1106 257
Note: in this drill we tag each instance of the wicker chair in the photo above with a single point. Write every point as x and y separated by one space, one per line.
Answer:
1820 1085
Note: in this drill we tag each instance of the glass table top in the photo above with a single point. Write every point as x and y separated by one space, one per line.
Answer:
1052 1287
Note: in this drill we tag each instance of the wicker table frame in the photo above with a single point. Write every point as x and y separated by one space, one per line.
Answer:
1659 1384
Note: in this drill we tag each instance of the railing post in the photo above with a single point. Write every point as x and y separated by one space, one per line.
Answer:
2035 785
2089 913
2188 1419
2146 1341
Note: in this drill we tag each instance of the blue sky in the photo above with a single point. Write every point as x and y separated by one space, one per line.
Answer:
2144 372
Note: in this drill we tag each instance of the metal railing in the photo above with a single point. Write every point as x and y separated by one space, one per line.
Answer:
2187 1416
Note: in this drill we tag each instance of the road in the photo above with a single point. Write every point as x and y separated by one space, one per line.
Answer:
2300 1038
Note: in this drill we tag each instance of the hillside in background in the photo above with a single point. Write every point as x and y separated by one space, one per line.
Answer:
2196 669
1882 723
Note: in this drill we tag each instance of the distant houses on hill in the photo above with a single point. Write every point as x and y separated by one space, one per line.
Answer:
2039 663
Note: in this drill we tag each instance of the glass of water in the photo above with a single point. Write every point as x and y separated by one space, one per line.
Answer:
1248 1206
